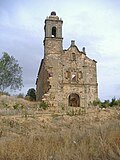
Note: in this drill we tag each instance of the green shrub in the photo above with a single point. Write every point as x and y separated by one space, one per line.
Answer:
108 103
43 105
96 102
105 104
18 106
118 102
31 94
114 102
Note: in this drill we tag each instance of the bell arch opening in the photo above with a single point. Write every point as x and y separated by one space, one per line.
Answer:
53 31
74 100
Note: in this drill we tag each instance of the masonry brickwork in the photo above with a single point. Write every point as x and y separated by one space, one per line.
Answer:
65 77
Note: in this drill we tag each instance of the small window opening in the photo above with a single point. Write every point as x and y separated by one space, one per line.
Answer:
73 56
74 78
67 74
80 75
53 31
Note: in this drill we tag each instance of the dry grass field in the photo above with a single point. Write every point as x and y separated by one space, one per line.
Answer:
28 132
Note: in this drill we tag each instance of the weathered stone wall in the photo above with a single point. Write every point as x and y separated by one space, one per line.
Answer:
42 82
61 67
67 77
53 46
53 68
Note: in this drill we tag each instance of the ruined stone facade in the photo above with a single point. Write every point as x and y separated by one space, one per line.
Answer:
66 77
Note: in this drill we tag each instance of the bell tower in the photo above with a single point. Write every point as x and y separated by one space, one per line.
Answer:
53 34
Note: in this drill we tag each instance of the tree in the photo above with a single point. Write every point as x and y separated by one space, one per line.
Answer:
31 94
10 73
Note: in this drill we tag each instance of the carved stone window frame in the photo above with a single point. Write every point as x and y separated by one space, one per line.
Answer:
74 77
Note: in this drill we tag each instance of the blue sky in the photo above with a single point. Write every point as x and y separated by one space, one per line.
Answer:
94 24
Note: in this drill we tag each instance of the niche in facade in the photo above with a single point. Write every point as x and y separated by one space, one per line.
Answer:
73 57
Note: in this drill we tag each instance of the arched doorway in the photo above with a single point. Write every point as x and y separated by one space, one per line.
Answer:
74 100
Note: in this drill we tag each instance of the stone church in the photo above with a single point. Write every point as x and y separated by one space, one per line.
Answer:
66 76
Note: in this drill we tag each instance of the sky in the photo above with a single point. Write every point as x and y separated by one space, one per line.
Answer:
93 24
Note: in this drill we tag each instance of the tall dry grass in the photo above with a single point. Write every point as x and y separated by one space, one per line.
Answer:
56 134
94 142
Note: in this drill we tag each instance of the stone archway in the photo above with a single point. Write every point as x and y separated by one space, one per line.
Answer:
74 100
